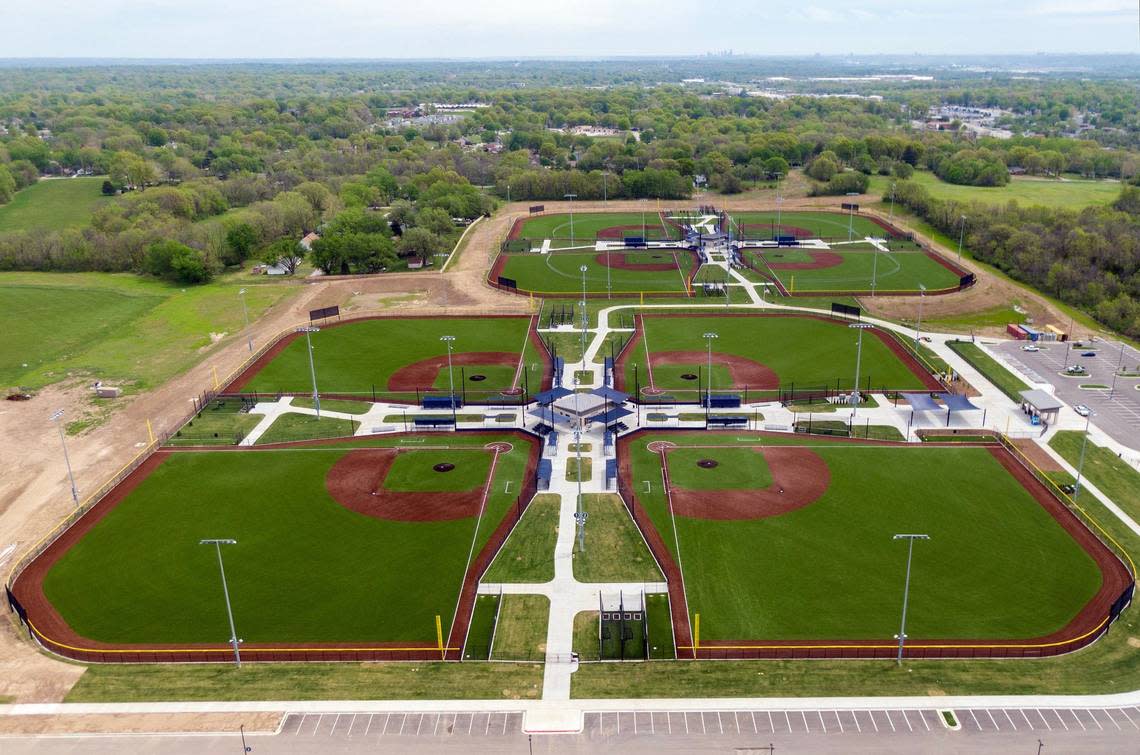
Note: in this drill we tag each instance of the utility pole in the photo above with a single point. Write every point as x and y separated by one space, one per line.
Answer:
918 330
1116 372
1081 463
961 235
585 316
906 588
218 543
308 331
66 459
245 312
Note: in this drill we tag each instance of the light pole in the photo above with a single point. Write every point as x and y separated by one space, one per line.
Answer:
571 197
308 331
1116 372
444 255
906 588
918 330
860 326
1069 342
709 337
851 215
1081 463
245 312
874 268
961 235
66 459
218 543
449 340
585 319
580 514
891 217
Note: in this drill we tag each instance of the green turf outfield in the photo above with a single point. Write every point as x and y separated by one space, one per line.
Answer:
997 565
413 473
304 569
826 225
556 227
54 204
355 357
560 273
738 469
802 350
893 271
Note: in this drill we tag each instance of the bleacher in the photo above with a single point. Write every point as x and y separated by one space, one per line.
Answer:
545 472
611 474
442 402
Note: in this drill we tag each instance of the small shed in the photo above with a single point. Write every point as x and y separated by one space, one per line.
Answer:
1042 404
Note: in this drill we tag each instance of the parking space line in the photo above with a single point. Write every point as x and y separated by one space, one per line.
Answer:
1110 718
505 717
907 719
755 728
821 723
804 717
922 715
838 721
771 725
319 717
686 723
975 720
1125 713
1026 719
994 722
890 720
719 722
1008 718
1095 719
788 720
1073 713
669 722
875 723
736 718
369 726
1058 715
1042 717
335 722
855 717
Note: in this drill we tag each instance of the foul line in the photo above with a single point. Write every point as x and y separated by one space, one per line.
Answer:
474 539
676 541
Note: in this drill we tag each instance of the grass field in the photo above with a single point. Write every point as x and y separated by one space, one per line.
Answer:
889 271
560 273
140 575
997 565
991 369
1072 194
826 225
660 627
308 681
53 205
526 556
356 357
123 328
586 225
221 423
802 350
615 550
521 631
1108 472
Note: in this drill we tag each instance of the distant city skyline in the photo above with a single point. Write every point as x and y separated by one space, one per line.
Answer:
381 29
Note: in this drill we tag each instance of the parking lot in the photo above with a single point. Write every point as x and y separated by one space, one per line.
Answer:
1117 412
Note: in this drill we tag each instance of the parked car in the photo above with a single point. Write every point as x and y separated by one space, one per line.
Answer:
1031 347
1076 369
1082 410
1089 354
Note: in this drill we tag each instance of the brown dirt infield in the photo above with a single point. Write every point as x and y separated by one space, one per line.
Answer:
820 260
422 374
617 261
356 482
743 371
799 478
1081 631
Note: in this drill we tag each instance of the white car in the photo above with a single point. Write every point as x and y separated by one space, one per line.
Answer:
1082 410
1030 347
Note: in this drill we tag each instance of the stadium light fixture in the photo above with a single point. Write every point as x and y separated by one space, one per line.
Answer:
56 417
218 543
308 331
901 636
245 313
860 326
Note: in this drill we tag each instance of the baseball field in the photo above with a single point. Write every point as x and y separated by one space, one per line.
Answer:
651 271
588 227
783 544
349 545
805 225
857 267
762 352
399 357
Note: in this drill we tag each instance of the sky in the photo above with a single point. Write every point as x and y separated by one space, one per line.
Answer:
541 28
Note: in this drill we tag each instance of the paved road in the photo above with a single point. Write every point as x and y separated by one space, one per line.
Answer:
982 730
1118 415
